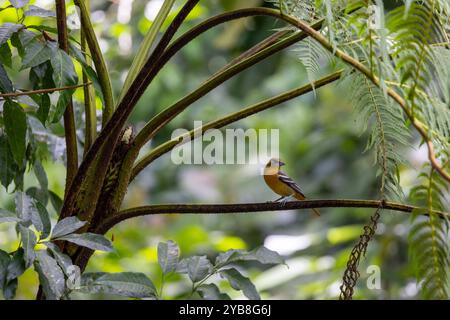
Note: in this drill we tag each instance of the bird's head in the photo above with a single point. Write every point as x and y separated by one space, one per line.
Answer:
275 162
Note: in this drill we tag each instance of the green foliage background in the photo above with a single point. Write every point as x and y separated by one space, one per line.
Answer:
320 142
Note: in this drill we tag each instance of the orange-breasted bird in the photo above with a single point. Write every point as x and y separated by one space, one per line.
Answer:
281 184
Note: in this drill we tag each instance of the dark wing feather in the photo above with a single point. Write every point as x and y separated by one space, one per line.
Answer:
291 183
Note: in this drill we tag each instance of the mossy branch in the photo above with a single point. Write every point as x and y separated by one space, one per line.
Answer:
100 153
111 221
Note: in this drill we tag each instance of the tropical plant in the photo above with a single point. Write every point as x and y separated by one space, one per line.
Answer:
396 58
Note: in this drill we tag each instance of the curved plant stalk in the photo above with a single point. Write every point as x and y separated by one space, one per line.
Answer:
69 116
210 84
231 118
92 171
168 114
97 58
157 122
90 131
271 40
111 221
144 49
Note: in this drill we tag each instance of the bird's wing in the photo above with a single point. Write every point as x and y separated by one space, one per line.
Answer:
291 183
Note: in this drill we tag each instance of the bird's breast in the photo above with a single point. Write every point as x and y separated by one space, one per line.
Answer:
277 186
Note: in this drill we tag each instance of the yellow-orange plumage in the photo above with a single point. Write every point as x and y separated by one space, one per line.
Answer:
280 182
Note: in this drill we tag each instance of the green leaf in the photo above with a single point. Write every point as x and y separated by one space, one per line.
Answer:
260 254
63 70
6 216
211 292
26 37
41 220
24 206
35 53
129 284
5 82
44 108
5 55
63 260
16 129
198 267
35 11
7 29
8 166
92 75
56 201
40 174
168 254
265 256
28 243
239 282
229 256
89 240
19 3
90 72
17 265
61 105
67 226
50 274
38 195
9 290
41 76
63 75
4 261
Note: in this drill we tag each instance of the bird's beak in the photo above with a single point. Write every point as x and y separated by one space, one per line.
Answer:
281 163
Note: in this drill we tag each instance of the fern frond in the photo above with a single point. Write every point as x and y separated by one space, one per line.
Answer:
414 30
429 237
388 133
304 10
312 55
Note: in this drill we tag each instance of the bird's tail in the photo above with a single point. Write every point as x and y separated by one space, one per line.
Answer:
300 196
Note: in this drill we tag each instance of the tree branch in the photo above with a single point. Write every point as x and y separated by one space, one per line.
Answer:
154 125
165 116
90 112
244 113
69 116
111 221
97 58
145 47
112 130
267 42
40 91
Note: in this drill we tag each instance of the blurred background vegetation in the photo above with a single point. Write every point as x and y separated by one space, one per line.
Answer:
320 142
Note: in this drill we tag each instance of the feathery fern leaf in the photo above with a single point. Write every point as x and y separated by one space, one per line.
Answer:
414 31
304 10
429 237
312 55
388 133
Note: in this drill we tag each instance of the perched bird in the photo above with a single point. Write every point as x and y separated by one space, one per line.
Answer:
281 184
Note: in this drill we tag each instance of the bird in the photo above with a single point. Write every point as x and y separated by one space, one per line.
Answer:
282 184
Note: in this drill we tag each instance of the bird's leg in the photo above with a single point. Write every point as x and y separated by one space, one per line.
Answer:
286 198
280 198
